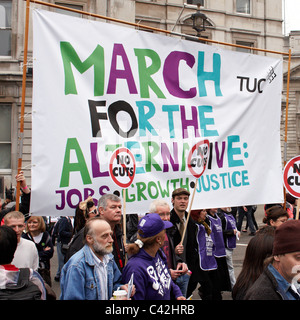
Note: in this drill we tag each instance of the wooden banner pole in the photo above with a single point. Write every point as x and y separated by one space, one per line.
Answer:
124 216
124 225
189 212
298 208
21 135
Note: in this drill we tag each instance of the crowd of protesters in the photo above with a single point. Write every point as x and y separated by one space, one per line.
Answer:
167 254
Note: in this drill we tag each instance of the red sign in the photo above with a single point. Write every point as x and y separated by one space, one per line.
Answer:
122 167
291 177
197 158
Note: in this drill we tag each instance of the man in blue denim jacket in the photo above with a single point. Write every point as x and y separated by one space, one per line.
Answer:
91 273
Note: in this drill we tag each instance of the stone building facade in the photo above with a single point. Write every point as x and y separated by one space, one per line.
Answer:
293 124
253 23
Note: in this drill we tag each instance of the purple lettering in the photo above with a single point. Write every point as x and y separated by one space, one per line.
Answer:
87 192
63 202
115 74
189 123
95 163
219 158
103 189
167 157
171 74
70 194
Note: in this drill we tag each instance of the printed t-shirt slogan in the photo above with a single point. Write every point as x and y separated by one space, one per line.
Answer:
117 108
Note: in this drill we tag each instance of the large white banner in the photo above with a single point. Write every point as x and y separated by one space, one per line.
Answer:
116 108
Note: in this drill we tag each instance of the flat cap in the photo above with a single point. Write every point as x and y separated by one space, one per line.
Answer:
180 191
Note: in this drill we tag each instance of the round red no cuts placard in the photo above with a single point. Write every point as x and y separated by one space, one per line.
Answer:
122 167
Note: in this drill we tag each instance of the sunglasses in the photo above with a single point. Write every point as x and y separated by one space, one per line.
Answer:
95 211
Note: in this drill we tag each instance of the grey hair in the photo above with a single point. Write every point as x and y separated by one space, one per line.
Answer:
89 229
157 203
109 196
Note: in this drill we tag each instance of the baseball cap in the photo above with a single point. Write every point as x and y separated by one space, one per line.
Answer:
152 224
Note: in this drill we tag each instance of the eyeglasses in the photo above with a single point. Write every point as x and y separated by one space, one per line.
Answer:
164 214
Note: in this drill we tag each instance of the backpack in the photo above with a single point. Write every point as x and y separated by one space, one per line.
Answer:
23 290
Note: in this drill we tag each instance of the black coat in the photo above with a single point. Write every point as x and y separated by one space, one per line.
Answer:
76 244
189 243
23 207
174 257
44 256
63 230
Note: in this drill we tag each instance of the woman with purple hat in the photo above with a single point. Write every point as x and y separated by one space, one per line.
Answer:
148 263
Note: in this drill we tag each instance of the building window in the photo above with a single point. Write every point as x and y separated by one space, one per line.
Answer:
243 6
5 136
69 13
246 44
196 2
5 27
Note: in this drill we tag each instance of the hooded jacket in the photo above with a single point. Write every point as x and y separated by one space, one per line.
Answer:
151 278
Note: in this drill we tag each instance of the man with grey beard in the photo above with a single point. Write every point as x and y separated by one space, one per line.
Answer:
91 273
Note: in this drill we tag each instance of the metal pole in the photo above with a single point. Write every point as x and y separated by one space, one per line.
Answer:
287 107
152 28
286 121
130 24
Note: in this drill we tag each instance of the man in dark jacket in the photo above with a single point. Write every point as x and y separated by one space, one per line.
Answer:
186 248
63 230
279 279
110 209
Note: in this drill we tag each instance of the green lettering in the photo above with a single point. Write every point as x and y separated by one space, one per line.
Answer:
186 149
96 59
145 72
164 192
185 185
72 144
149 155
141 186
152 190
129 197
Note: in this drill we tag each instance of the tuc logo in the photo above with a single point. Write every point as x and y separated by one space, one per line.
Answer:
291 177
